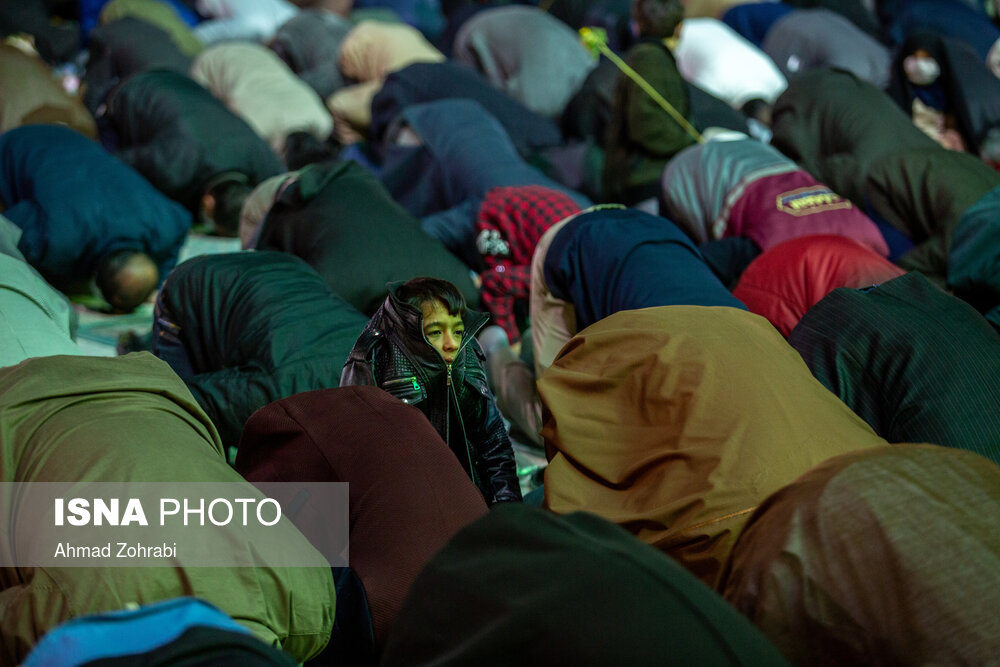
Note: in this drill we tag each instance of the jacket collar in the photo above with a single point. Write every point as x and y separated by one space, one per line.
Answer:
401 317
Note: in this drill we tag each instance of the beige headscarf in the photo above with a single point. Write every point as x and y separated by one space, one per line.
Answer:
372 51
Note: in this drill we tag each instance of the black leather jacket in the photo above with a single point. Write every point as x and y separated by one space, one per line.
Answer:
393 354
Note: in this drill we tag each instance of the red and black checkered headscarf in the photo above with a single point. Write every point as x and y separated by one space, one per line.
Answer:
520 215
511 220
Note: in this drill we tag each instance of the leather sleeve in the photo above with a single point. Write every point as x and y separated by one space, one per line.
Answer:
358 369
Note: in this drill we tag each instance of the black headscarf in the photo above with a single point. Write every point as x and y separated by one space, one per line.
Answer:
965 89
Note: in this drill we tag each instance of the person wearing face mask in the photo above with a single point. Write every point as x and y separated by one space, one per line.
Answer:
948 92
921 69
921 74
419 346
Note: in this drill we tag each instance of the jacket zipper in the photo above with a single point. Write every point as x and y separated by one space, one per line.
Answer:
447 411
453 398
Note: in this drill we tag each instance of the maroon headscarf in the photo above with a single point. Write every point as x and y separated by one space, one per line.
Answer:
408 492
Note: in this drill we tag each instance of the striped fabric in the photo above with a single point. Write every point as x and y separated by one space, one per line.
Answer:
914 362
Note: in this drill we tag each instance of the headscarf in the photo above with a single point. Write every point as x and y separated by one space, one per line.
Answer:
408 492
676 422
510 222
965 88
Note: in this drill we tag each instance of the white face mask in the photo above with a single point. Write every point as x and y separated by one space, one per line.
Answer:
921 70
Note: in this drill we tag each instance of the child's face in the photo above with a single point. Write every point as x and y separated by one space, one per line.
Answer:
443 330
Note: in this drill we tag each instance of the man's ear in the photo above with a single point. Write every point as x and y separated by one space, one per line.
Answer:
208 204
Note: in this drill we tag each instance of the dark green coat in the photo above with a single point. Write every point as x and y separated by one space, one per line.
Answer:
642 137
924 192
341 220
915 363
974 260
564 590
257 327
836 125
173 132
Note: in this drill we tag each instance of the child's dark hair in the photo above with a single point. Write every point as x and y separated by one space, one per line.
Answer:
657 18
418 291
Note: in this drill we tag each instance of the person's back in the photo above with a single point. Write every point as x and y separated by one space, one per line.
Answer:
369 53
535 58
808 39
246 329
641 136
258 87
463 153
785 281
309 43
890 352
715 57
179 137
701 183
420 347
163 15
570 590
606 261
122 48
129 419
55 42
428 82
72 220
887 556
924 193
400 473
836 125
329 217
753 20
35 319
676 422
251 20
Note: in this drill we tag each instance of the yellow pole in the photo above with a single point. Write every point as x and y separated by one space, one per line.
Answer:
595 39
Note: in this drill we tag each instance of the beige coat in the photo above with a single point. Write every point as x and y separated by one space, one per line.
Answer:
259 88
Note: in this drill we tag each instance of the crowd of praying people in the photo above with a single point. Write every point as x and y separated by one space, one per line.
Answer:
730 269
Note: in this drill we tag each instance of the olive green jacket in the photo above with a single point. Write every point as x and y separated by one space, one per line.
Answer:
642 137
